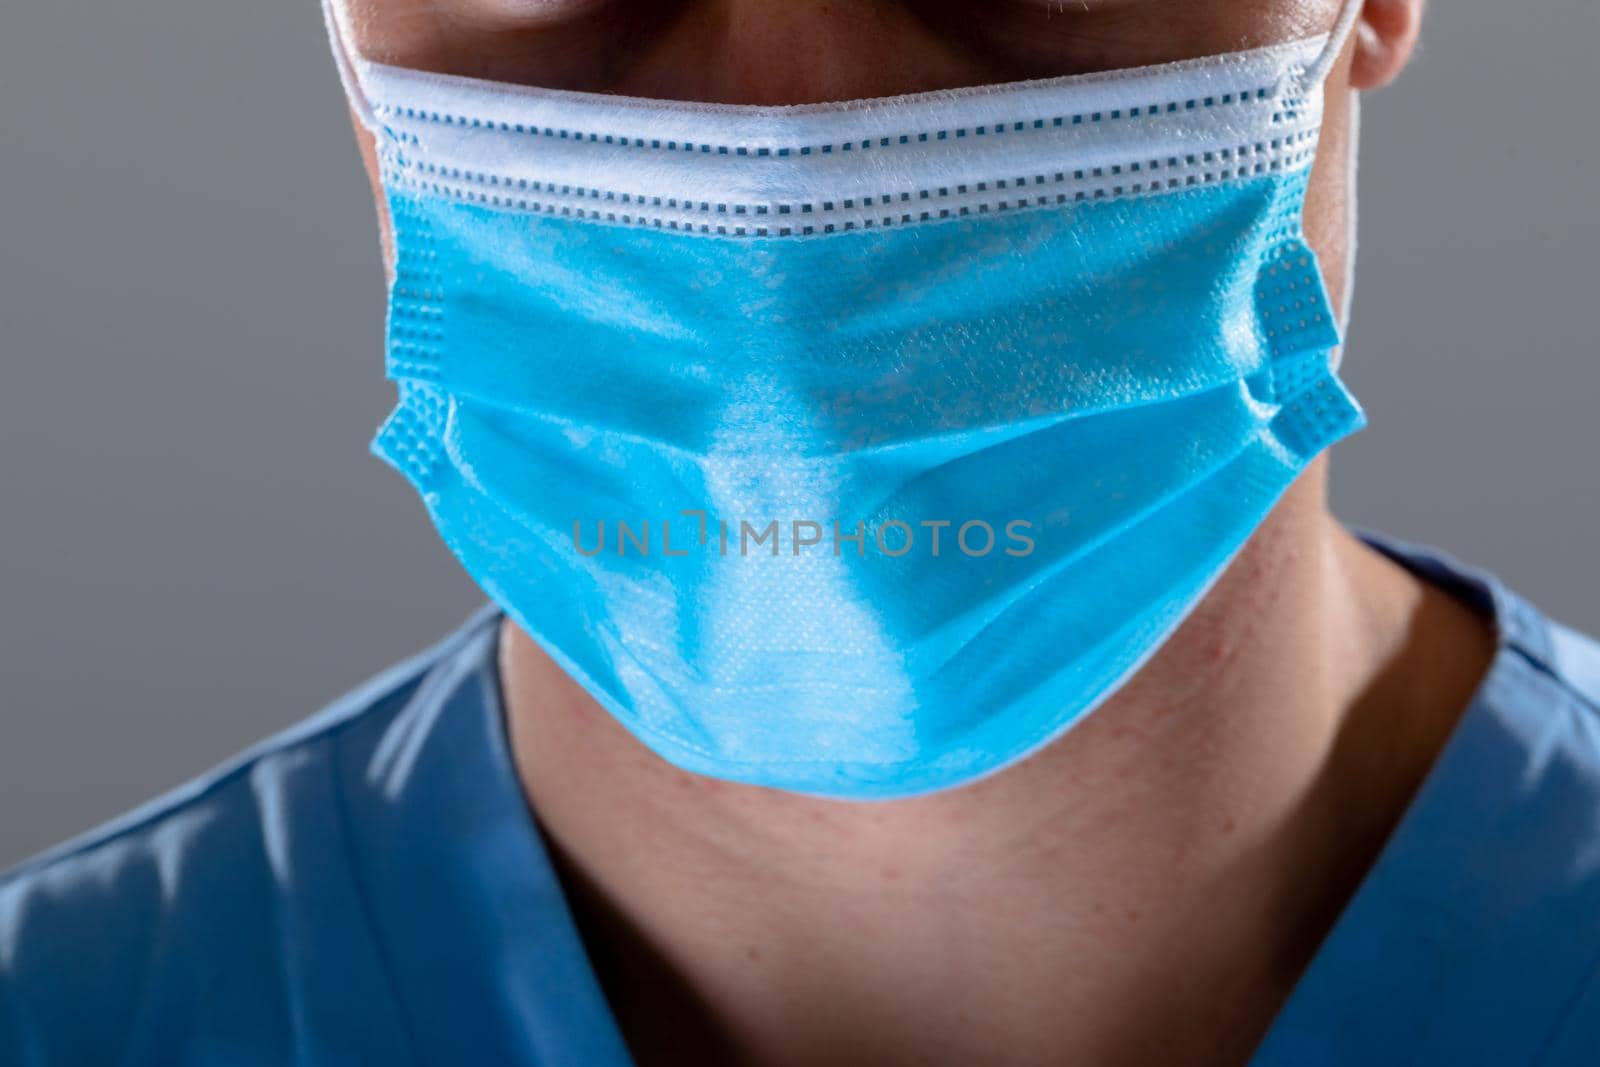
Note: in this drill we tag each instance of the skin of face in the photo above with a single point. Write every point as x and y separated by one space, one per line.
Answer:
1145 890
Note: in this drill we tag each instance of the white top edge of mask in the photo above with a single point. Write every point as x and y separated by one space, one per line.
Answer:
733 169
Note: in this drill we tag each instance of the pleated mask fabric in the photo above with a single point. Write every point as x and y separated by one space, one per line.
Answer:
856 449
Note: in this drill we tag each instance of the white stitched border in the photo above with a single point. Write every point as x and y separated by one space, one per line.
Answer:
851 213
758 171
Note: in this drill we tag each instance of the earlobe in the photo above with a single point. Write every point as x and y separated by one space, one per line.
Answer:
1385 38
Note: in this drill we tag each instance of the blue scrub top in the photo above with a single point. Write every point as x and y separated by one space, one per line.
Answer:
370 888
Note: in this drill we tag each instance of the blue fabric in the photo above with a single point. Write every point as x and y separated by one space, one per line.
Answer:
370 889
558 379
366 889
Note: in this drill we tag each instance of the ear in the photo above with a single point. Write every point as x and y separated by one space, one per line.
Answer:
1386 35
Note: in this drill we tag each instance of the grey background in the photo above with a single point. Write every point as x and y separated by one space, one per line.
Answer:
196 549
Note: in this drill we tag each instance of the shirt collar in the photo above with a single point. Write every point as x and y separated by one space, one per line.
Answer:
467 909
1467 939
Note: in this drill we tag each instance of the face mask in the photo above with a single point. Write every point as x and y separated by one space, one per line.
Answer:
856 449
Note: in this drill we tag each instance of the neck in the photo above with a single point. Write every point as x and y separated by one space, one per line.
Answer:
1146 889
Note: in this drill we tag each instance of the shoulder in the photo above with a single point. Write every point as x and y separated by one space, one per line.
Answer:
1516 804
219 906
1575 659
1553 843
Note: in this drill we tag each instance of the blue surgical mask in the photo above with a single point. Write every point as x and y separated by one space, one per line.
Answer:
856 449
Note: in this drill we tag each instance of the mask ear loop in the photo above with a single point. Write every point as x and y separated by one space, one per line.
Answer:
1309 80
345 60
1337 38
1352 201
339 37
